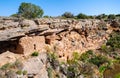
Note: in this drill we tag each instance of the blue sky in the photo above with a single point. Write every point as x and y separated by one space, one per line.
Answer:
58 7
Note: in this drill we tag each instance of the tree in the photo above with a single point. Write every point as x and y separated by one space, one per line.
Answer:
82 16
28 10
101 16
111 16
68 15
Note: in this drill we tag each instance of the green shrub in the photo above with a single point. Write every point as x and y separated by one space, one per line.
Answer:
6 66
98 60
86 56
75 58
50 70
117 75
114 41
102 69
35 54
19 72
24 72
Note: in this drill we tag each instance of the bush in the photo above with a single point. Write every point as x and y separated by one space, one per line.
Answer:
24 72
19 72
86 56
102 69
98 60
101 16
82 16
35 54
6 66
75 58
68 15
28 10
50 70
111 16
114 41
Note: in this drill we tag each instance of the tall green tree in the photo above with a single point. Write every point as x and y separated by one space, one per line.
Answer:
29 10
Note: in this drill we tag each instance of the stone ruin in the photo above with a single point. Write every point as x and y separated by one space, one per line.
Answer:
63 36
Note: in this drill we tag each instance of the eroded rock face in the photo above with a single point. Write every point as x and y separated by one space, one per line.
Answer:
64 36
74 42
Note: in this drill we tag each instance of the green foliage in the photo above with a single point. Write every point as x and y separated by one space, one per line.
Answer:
82 16
6 66
28 10
86 56
114 41
76 55
35 54
19 72
46 16
52 55
104 48
50 70
53 59
98 60
68 15
101 16
117 75
24 72
111 16
102 68
75 58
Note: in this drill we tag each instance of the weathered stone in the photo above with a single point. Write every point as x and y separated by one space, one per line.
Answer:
27 23
11 74
28 45
36 66
8 57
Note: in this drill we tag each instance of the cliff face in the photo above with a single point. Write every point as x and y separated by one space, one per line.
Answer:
21 37
64 36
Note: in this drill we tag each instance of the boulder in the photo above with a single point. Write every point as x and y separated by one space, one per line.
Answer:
36 66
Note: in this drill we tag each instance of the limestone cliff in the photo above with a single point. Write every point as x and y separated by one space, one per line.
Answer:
21 37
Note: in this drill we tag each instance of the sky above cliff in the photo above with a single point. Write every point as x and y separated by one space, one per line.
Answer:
58 7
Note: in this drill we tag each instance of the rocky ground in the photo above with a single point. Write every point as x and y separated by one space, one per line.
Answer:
52 47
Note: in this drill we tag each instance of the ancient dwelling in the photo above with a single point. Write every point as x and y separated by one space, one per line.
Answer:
63 36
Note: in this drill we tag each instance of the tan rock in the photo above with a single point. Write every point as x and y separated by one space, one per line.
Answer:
27 45
8 57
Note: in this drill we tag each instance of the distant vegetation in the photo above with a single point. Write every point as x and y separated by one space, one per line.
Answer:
68 15
29 11
84 16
